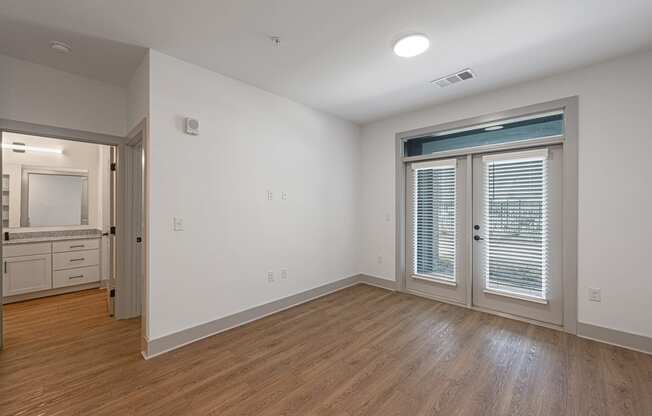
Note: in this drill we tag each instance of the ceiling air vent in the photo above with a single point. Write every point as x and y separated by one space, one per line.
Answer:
463 75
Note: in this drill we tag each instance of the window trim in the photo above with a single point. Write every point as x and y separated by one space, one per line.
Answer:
435 164
515 295
520 144
435 279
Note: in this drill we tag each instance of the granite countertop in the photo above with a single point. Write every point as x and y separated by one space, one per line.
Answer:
55 238
42 236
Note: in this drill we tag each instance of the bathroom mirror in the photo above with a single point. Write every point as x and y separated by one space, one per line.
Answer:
53 198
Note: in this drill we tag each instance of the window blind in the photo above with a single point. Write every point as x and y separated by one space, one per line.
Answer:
516 223
434 219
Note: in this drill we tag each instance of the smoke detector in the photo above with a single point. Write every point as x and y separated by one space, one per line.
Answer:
451 79
60 46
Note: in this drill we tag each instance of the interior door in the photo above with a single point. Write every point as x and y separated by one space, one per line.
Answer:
113 181
436 229
138 209
517 233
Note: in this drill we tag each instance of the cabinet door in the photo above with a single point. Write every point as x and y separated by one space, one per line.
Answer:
26 274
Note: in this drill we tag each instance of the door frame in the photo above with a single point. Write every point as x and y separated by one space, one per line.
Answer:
134 304
21 127
569 141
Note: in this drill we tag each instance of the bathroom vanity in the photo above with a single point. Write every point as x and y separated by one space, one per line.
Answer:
47 265
53 211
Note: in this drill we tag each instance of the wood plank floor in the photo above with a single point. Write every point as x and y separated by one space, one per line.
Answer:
360 351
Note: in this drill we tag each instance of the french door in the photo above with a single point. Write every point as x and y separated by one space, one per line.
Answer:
436 227
488 234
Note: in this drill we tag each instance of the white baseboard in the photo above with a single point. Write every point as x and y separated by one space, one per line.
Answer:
622 339
154 347
158 346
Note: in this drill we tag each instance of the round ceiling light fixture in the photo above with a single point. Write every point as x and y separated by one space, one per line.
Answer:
411 45
60 46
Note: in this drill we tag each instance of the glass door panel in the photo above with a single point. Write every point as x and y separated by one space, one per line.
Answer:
517 233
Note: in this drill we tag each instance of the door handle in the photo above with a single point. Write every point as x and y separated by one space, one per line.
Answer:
477 238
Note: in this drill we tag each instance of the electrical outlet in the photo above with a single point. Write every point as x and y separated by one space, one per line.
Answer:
284 274
595 294
270 195
270 277
284 196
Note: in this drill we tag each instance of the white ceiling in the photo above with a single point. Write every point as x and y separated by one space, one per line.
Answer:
92 57
336 55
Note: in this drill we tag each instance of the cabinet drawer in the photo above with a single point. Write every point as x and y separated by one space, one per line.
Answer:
74 259
27 249
75 245
78 276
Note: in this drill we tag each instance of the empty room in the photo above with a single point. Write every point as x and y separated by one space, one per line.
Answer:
311 207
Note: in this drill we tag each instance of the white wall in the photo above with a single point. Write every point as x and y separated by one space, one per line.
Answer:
76 155
138 94
42 95
615 202
251 141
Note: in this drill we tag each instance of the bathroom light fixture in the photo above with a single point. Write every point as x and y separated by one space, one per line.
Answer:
411 45
492 128
26 148
60 46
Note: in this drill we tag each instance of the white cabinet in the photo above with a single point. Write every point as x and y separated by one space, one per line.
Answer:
26 274
75 262
38 267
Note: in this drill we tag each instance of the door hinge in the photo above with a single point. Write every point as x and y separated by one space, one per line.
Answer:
112 230
113 166
112 293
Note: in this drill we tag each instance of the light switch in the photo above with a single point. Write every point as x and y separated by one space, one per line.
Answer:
178 223
595 294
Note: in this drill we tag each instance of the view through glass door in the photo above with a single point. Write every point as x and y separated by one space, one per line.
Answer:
514 224
436 224
517 233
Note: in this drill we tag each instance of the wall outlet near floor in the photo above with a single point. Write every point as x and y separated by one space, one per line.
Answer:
595 294
379 260
284 274
270 277
270 195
